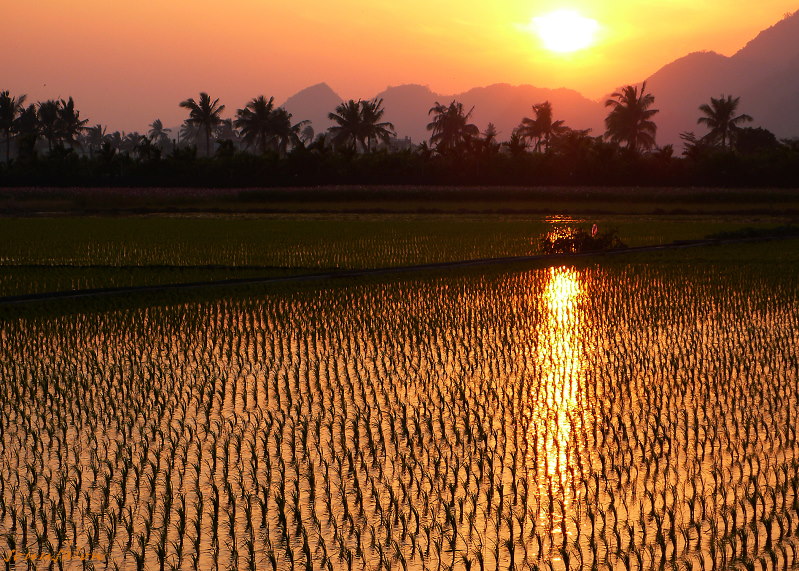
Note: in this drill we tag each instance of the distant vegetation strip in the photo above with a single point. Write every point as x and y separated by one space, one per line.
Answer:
390 198
343 274
48 143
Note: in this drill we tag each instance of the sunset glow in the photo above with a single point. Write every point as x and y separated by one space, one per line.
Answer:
565 31
134 61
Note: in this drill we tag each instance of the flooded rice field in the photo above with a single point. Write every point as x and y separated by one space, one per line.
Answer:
629 417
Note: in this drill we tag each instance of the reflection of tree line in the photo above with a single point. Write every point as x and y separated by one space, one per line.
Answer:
540 144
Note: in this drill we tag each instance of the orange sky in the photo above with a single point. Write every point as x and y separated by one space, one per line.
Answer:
127 62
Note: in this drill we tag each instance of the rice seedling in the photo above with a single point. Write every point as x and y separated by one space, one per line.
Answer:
626 417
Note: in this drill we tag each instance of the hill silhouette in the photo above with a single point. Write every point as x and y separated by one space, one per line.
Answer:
313 104
764 74
407 107
504 105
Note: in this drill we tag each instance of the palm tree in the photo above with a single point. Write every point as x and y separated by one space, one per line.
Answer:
129 143
188 134
720 118
517 145
158 134
542 128
27 128
450 127
348 129
60 122
226 133
307 134
94 137
488 142
574 144
255 123
114 141
48 121
204 114
10 109
374 129
285 134
360 122
630 118
70 125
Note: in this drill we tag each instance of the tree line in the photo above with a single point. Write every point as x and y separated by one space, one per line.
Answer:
49 143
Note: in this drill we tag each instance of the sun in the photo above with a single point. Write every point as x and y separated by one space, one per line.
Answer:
565 31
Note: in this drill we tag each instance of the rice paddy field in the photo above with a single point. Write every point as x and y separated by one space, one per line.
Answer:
638 412
45 254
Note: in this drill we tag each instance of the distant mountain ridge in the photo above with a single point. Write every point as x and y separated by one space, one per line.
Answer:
764 74
407 107
313 104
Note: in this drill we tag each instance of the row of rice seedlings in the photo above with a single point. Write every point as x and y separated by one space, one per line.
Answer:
556 419
293 243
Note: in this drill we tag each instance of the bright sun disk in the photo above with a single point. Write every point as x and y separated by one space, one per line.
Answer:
565 31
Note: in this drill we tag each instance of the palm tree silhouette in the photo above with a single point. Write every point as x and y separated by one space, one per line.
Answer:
158 134
27 128
205 115
285 134
373 129
188 134
542 128
630 118
10 109
266 127
48 121
720 118
450 127
227 133
60 122
129 143
360 122
517 145
307 134
70 125
94 137
255 123
348 130
488 143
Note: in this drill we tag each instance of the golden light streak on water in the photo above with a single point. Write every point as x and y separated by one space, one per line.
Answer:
561 365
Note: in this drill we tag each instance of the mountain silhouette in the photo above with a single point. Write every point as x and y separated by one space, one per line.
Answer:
503 105
407 107
313 104
764 74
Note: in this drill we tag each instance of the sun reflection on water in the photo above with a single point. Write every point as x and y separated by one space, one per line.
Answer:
555 398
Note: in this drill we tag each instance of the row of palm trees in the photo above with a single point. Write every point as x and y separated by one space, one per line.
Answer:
358 126
260 124
629 123
55 120
264 127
